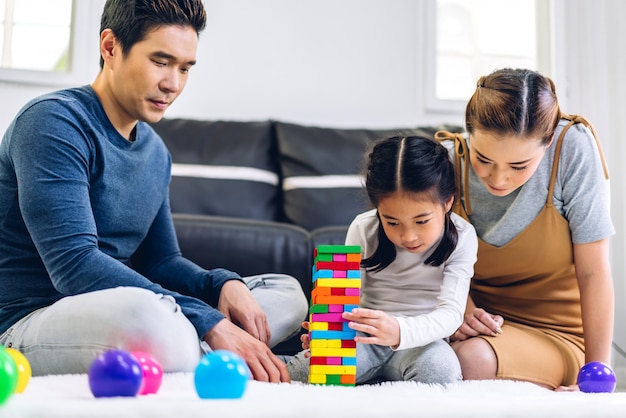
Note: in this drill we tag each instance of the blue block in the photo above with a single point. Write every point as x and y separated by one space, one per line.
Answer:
348 361
333 335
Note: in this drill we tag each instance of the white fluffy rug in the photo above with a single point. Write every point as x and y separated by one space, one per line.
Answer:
69 396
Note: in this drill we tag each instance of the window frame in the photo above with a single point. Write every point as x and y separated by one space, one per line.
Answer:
82 56
545 54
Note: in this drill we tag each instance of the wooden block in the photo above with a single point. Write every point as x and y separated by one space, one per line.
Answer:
348 379
324 273
348 344
338 249
351 291
333 352
335 326
348 361
319 325
337 300
319 308
337 265
336 308
338 257
328 317
328 370
319 379
352 283
330 335
321 291
353 258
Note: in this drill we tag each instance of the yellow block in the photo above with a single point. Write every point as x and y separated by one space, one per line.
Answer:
317 378
322 369
333 352
324 343
318 326
353 283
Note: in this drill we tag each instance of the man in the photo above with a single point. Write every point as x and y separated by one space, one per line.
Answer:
89 259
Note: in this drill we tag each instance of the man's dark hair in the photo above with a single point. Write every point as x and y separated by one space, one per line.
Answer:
132 20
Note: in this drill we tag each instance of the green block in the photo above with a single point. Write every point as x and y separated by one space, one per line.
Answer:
333 379
339 249
319 308
323 257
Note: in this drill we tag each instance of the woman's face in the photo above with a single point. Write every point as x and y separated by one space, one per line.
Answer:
504 163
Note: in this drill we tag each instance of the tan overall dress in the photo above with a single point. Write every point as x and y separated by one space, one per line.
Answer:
531 282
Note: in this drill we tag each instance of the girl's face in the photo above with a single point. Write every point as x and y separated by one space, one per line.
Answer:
412 221
504 163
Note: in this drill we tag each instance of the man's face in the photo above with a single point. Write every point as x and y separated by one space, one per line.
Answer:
153 73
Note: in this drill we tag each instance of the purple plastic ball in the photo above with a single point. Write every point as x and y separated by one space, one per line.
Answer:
115 373
596 377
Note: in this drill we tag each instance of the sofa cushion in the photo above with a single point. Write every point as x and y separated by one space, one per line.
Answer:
321 170
222 168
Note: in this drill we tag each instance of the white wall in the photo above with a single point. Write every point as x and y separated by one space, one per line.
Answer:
341 63
591 66
361 63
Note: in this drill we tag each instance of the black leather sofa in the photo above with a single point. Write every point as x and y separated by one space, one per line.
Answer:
258 197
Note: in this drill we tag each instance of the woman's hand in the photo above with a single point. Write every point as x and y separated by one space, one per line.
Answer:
383 329
477 321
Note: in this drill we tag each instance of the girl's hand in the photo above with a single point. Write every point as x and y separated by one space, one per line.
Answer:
477 321
305 340
383 329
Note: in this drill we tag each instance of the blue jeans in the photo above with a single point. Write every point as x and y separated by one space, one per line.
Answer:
435 363
65 337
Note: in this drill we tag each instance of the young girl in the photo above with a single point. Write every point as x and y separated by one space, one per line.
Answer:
418 261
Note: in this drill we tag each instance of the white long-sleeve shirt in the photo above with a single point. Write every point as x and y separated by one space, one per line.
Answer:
428 302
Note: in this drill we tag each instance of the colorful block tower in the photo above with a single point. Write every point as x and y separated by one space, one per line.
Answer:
336 289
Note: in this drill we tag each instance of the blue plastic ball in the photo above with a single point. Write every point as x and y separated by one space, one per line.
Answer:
221 374
115 373
596 377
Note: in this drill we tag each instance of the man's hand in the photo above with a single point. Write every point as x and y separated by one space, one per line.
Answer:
477 321
263 364
239 306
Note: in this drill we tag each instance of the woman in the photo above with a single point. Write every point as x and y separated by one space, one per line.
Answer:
533 182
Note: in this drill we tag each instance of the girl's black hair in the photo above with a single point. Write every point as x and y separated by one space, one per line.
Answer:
413 164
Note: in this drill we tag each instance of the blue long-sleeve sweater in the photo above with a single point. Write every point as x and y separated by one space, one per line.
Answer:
84 209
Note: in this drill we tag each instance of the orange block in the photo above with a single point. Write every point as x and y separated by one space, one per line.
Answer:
321 291
348 379
339 300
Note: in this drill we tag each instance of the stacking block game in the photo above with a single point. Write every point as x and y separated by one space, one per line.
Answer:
336 289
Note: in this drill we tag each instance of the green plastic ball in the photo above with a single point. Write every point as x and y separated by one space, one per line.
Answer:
8 375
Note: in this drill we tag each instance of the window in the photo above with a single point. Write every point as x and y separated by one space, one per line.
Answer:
36 34
38 42
475 37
